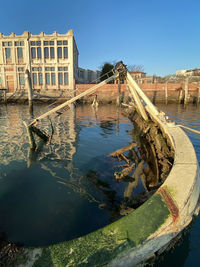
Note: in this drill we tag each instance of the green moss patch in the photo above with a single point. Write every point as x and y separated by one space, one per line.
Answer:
103 245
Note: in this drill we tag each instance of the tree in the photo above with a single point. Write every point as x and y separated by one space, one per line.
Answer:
136 68
106 71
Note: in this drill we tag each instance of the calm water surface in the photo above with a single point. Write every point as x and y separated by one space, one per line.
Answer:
67 188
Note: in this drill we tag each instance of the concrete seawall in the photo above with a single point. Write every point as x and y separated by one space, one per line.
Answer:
134 238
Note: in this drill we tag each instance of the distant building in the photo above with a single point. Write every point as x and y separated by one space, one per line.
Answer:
88 76
52 60
140 77
194 72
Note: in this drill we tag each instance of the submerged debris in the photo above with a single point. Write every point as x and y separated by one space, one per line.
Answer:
149 158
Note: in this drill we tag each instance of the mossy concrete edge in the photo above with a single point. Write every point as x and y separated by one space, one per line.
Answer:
135 237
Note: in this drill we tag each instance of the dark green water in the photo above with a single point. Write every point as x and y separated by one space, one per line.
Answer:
187 252
66 189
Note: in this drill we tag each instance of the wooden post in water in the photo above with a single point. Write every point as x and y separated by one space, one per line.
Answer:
30 136
166 93
29 86
198 96
186 91
118 102
180 95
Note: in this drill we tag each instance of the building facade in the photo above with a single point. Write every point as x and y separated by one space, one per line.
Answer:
52 60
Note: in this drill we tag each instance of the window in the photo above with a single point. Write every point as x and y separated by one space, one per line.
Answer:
65 52
53 78
46 43
59 52
47 78
9 43
65 68
51 42
46 52
39 54
59 42
47 68
21 69
5 44
8 55
66 80
19 43
19 52
60 78
38 43
21 79
0 80
51 52
40 78
33 43
33 54
65 42
34 78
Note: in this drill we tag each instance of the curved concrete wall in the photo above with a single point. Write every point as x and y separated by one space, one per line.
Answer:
135 237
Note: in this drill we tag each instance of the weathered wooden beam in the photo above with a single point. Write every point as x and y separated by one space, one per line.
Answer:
122 150
39 133
87 92
138 101
30 136
151 106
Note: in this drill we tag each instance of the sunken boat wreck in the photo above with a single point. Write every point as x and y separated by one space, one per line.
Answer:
150 222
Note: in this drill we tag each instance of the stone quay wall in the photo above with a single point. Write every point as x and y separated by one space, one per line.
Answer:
156 91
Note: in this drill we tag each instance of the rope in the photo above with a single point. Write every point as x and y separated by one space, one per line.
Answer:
190 129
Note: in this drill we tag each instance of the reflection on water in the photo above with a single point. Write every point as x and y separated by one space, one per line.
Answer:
187 253
49 195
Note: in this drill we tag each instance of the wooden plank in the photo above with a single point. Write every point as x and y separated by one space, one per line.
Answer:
87 92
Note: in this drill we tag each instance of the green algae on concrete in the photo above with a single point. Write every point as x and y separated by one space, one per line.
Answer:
102 246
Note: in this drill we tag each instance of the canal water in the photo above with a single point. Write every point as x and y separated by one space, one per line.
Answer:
67 188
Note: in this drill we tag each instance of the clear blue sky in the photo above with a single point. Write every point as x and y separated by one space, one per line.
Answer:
162 35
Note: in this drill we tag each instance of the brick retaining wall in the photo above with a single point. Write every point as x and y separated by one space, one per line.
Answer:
156 92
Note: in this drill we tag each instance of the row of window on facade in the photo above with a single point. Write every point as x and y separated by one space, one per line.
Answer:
33 43
49 52
50 78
